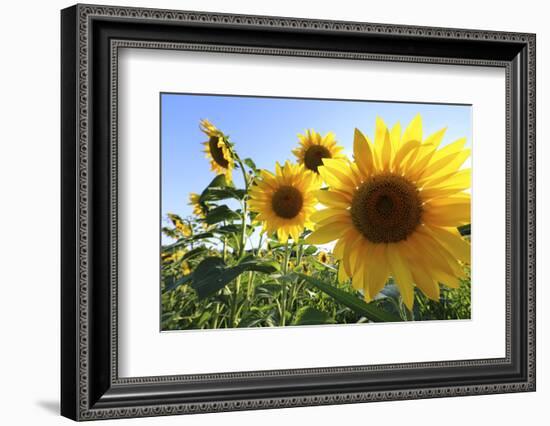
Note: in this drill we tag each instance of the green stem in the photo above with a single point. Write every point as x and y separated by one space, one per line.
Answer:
245 206
294 284
243 232
404 312
260 241
234 302
192 234
250 286
284 284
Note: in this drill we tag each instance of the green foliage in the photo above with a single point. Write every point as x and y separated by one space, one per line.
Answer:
221 214
350 300
215 275
311 316
212 274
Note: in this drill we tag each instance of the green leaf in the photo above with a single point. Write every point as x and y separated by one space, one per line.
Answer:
310 250
217 194
228 229
186 241
206 315
369 310
219 214
172 284
170 232
270 289
311 316
250 163
212 274
190 254
218 182
253 264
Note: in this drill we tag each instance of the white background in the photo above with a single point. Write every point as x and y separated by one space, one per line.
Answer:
140 343
29 222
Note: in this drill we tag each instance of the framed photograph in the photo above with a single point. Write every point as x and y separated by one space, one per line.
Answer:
263 212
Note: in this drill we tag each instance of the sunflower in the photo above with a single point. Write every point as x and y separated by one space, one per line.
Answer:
285 200
185 269
194 201
174 256
395 210
218 150
183 228
314 148
323 257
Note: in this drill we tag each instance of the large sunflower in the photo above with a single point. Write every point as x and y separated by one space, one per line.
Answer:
313 148
395 211
285 200
217 150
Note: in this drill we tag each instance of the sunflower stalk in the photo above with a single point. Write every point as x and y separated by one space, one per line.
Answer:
288 250
244 203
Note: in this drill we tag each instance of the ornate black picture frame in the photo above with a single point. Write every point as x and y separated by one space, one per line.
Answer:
91 37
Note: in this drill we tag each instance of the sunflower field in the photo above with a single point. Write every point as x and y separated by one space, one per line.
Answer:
383 236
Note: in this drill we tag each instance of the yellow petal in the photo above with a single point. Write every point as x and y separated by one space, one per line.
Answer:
321 215
380 130
428 194
417 166
282 235
278 169
363 154
438 250
333 199
377 273
350 252
395 136
448 164
449 215
418 156
425 283
452 148
327 233
442 179
446 279
386 152
426 244
357 278
342 276
404 150
346 218
436 137
413 132
356 258
453 241
401 274
338 173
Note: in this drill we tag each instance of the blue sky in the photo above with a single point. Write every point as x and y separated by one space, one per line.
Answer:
265 130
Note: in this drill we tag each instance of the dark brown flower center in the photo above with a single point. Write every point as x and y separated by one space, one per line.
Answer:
314 155
386 209
287 202
216 152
